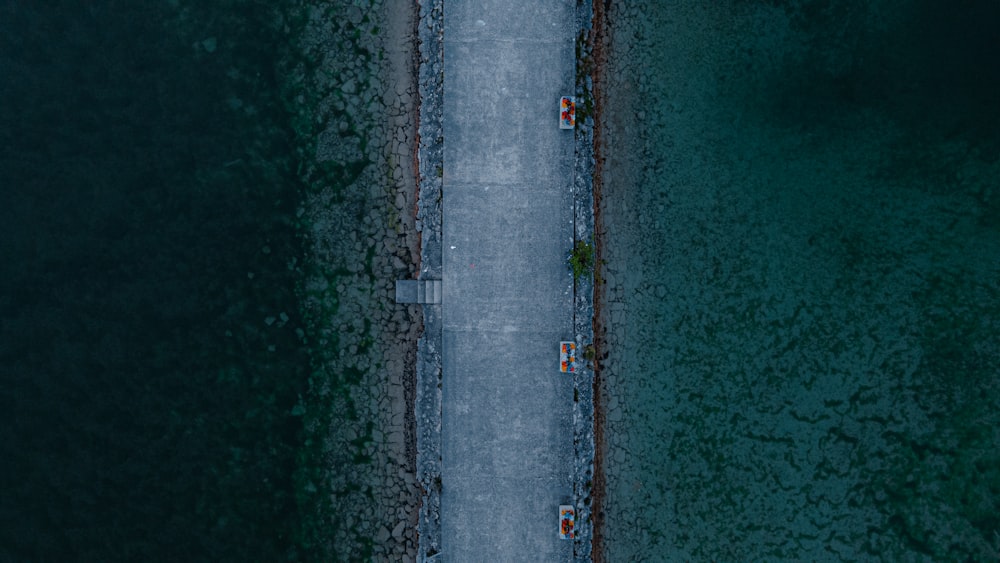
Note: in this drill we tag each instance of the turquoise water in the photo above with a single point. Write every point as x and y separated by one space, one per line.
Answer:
802 232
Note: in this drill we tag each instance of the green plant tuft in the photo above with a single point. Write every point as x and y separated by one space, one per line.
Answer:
581 259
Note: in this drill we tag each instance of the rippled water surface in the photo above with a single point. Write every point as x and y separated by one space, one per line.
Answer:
802 288
201 216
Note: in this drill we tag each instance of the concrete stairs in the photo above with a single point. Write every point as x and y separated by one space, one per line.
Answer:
418 291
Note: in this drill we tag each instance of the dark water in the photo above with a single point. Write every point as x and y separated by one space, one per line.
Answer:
153 352
803 283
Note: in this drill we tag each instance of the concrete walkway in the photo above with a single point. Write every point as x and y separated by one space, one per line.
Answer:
507 434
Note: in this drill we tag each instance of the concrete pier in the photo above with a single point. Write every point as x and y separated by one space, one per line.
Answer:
507 295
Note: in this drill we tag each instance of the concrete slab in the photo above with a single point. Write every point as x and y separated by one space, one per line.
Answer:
506 251
537 21
507 226
406 291
508 102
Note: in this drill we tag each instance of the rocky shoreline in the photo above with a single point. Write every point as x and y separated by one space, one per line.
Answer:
362 236
586 495
597 57
429 158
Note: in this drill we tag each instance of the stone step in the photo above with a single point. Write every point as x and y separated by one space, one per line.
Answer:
434 291
418 291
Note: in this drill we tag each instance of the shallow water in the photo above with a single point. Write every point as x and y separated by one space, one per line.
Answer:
802 289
